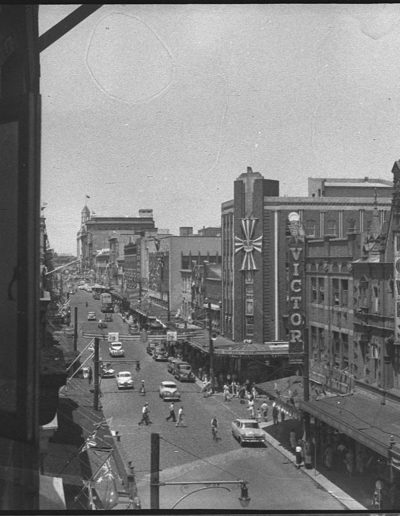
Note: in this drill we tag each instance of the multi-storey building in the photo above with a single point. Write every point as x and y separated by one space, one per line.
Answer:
95 232
166 265
254 246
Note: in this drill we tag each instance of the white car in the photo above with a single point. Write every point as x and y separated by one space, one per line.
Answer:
169 391
91 316
124 380
116 349
247 431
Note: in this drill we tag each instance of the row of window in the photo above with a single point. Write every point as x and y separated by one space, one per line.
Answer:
311 227
339 291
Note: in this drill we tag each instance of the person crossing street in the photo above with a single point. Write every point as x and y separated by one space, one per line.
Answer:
180 417
172 414
214 428
145 415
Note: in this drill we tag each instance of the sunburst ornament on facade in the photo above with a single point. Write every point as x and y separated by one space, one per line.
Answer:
248 244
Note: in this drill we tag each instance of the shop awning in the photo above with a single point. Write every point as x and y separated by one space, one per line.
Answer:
224 346
361 416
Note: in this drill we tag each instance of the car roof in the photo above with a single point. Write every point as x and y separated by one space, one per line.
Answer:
125 372
168 382
116 342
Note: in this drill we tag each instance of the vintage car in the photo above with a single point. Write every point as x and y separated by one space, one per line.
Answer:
101 324
106 371
91 316
169 391
116 349
124 380
160 355
108 317
247 431
151 348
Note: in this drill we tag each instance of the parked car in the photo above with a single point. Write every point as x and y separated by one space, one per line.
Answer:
116 349
102 324
183 372
91 316
124 380
171 364
169 391
160 355
151 348
108 317
247 431
106 371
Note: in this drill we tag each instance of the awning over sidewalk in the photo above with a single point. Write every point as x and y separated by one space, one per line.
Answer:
361 416
224 346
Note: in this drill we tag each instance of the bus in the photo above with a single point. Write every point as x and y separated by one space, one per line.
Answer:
106 302
97 290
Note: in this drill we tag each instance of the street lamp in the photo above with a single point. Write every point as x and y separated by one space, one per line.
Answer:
212 336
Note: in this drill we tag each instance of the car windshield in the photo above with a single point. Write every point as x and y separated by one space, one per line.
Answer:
124 375
185 367
116 345
249 425
169 385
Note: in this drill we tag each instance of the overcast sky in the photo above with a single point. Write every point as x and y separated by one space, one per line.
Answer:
164 106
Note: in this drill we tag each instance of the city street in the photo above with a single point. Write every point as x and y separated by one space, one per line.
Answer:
189 453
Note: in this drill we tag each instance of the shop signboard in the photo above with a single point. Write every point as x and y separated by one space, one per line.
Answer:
296 249
172 336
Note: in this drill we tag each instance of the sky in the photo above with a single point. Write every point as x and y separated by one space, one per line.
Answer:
164 106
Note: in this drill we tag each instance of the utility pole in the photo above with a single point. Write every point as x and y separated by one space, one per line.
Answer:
211 347
76 328
306 382
168 307
96 375
155 472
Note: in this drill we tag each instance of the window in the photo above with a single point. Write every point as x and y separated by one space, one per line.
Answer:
313 290
351 226
249 326
249 300
375 301
363 289
321 339
335 292
321 290
345 342
311 228
331 227
345 292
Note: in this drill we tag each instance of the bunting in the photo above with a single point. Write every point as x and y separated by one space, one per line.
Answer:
248 244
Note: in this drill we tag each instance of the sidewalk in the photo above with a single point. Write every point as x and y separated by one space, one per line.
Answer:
345 499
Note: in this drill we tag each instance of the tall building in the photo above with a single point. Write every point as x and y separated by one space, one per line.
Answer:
95 232
254 245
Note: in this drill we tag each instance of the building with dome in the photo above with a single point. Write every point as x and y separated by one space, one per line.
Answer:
95 232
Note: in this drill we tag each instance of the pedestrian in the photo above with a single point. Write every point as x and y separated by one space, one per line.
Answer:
172 414
234 387
349 462
226 392
292 439
137 366
142 389
275 413
299 454
241 394
254 392
264 410
90 375
180 417
259 415
214 428
251 409
328 457
145 415
282 415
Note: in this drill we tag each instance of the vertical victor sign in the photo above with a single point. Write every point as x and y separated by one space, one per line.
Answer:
296 249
